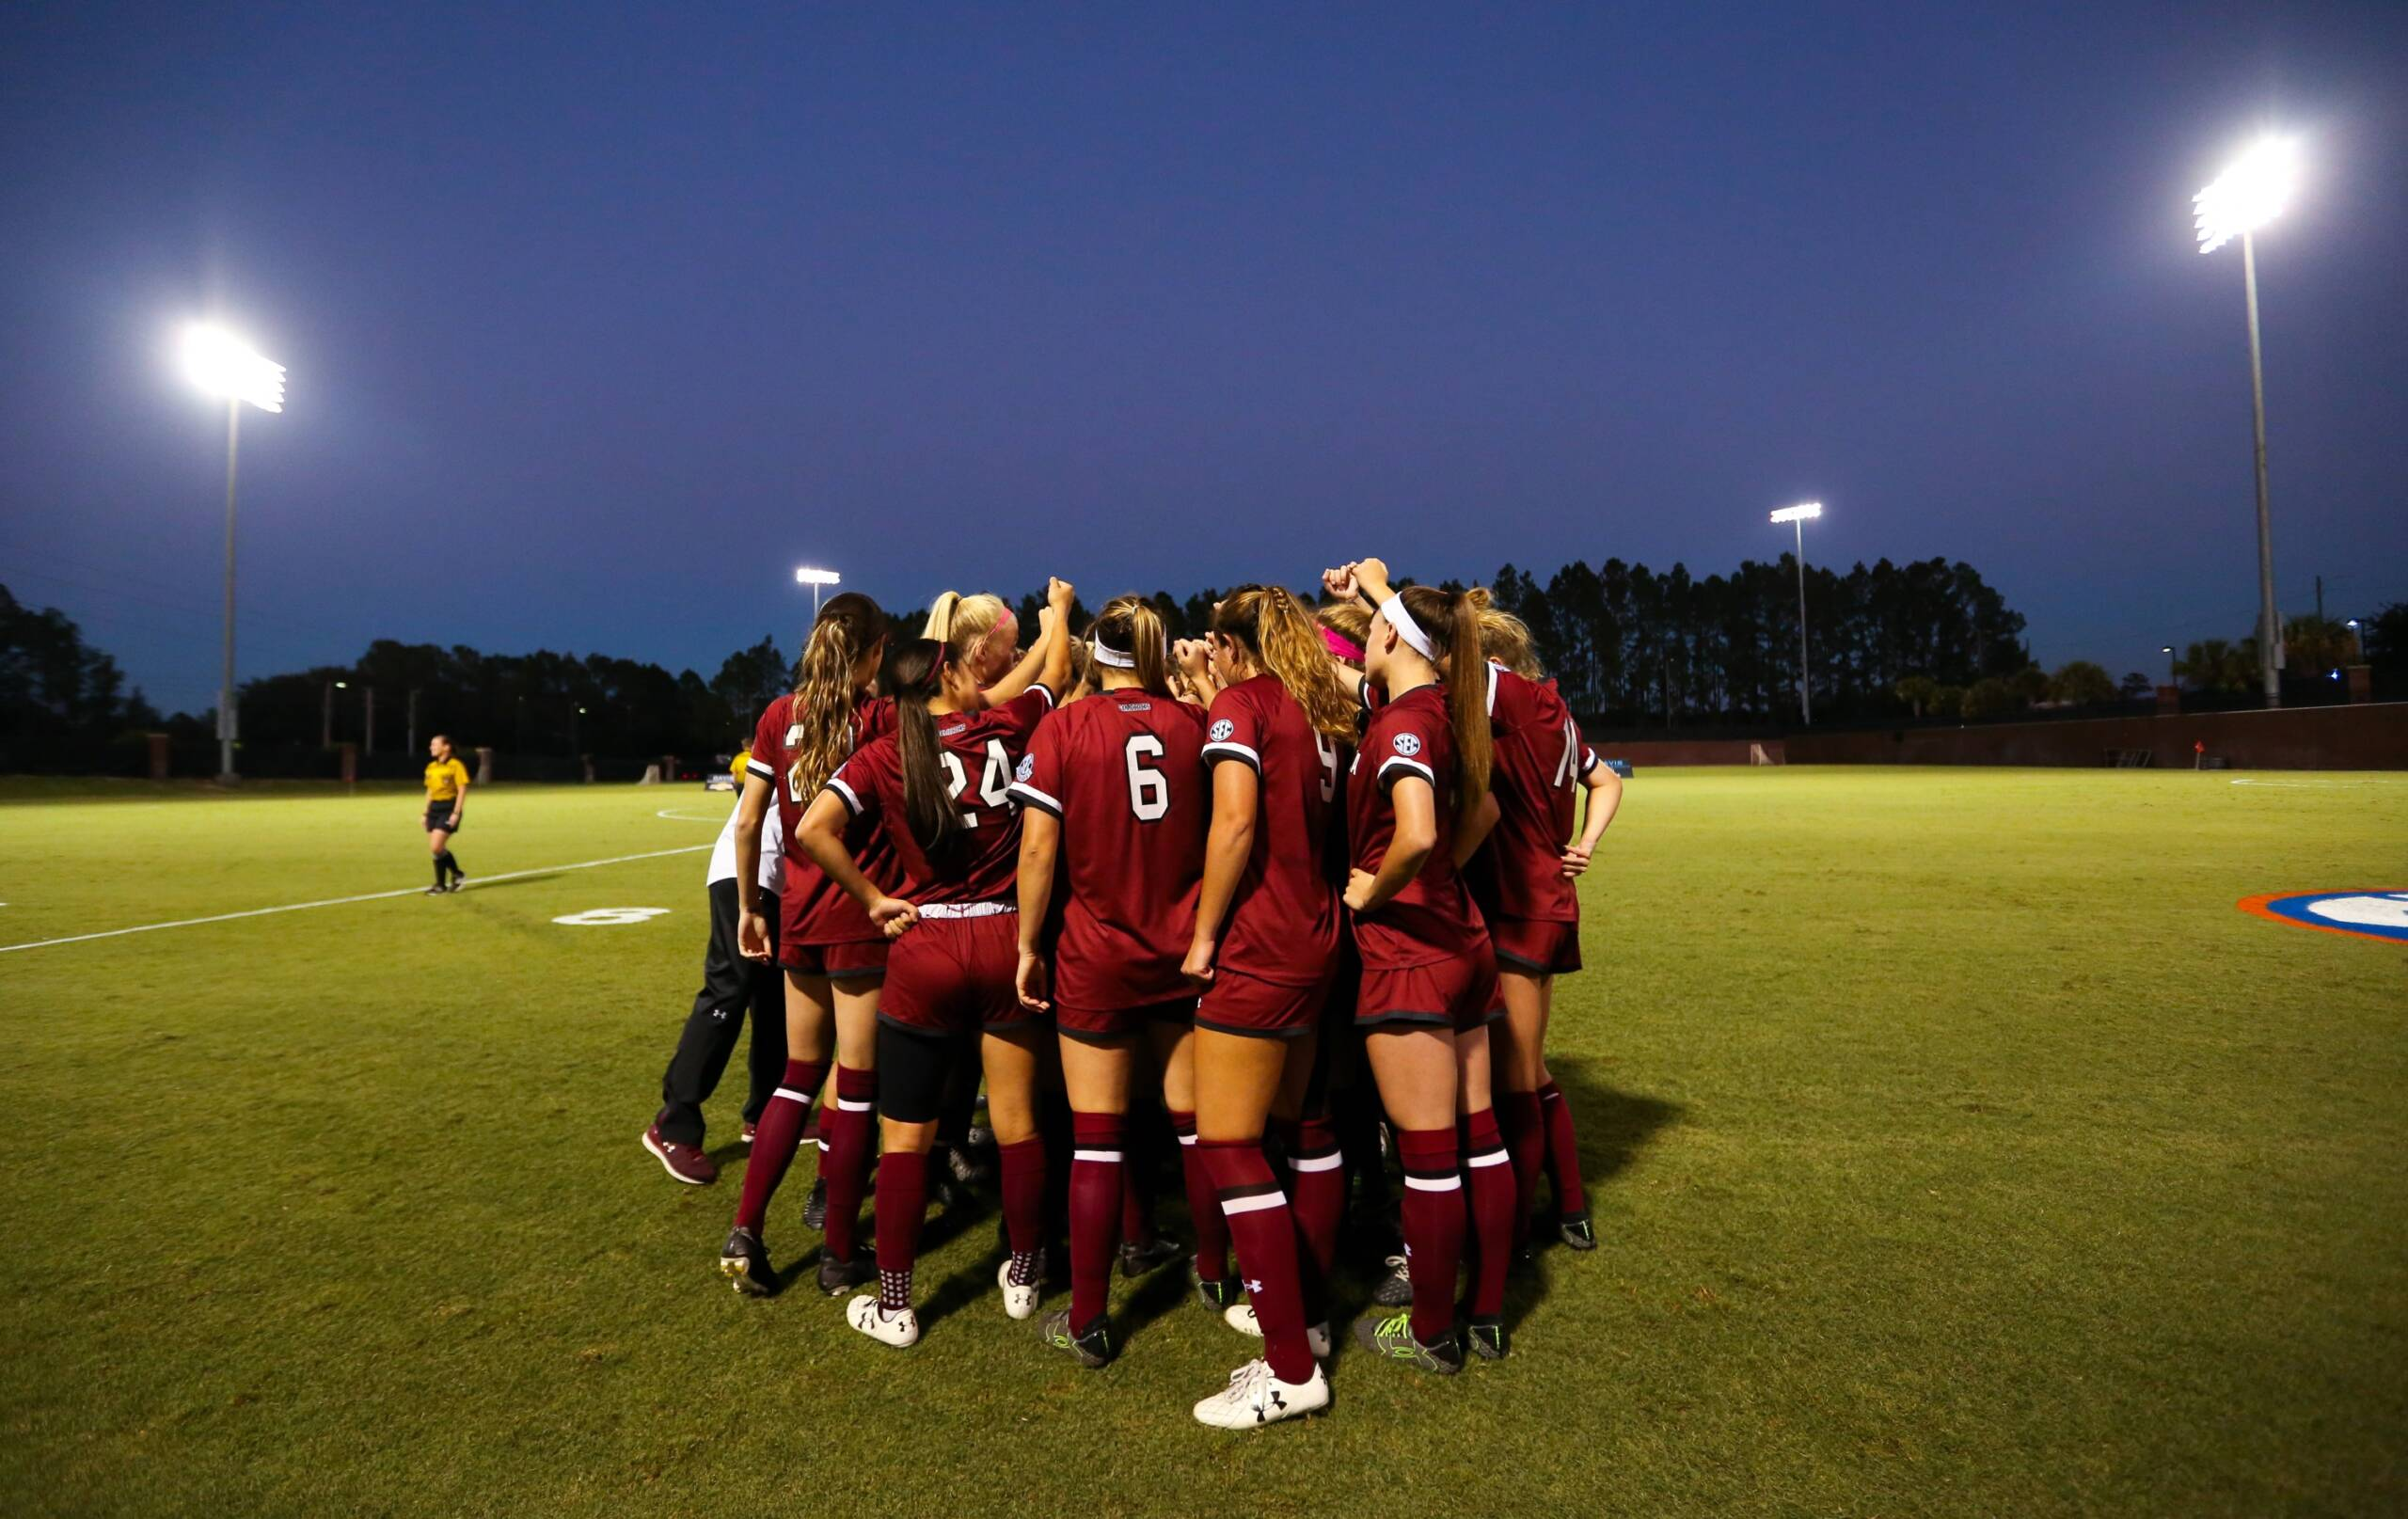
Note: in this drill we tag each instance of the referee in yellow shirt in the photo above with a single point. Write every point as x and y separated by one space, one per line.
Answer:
447 792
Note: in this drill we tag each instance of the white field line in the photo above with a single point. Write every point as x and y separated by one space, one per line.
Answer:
676 817
341 901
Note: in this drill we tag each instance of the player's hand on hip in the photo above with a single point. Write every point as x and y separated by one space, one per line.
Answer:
1029 982
1358 890
894 916
1575 860
1197 967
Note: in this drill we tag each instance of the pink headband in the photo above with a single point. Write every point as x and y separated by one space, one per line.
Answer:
1342 646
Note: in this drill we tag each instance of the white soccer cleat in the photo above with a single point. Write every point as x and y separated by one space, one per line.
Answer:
1242 1318
1020 1301
1254 1396
900 1329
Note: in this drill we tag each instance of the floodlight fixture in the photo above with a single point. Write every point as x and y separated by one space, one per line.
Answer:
2251 191
807 575
224 365
1798 516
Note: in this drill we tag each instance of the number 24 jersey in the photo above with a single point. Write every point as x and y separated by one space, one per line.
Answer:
979 753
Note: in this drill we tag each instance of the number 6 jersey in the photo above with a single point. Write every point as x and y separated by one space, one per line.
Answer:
979 753
1124 771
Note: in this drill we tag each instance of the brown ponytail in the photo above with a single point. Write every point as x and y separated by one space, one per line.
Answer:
1504 637
1284 639
1452 619
1130 624
913 677
850 629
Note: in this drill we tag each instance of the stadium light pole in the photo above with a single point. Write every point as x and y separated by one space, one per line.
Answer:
2167 649
815 579
2244 198
1799 516
224 365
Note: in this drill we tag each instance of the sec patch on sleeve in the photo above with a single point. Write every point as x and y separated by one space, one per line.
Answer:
1408 744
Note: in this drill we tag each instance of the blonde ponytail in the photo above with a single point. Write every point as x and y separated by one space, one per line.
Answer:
1286 641
850 628
1130 624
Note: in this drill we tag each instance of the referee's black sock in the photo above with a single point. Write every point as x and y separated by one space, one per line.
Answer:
451 864
438 872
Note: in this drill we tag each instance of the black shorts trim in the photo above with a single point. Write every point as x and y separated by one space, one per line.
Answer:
1410 1019
1298 1032
1543 972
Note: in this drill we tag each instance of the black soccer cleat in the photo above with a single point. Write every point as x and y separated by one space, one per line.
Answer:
1145 1259
815 1208
1488 1338
1216 1295
839 1277
1094 1346
1391 1339
1578 1231
745 1262
1394 1289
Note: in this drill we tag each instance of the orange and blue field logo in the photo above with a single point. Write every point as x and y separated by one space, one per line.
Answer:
2365 914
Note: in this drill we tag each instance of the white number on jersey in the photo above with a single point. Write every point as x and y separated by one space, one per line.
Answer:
1148 790
1571 748
1328 765
994 779
794 737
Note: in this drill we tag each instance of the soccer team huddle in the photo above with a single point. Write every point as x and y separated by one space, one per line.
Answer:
1321 855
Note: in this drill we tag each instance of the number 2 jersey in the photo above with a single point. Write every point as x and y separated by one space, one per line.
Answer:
977 752
1536 777
1124 771
816 909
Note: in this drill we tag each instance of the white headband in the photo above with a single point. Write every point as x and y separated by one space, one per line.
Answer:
1407 628
1106 654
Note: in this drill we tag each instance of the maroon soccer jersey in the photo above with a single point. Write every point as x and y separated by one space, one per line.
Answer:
1125 773
1432 918
1536 777
822 910
1283 922
979 753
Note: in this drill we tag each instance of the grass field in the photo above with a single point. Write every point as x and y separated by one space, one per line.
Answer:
1956 1146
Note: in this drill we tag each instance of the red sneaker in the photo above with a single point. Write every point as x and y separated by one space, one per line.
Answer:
683 1162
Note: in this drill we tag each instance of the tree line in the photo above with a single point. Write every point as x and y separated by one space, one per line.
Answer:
1629 646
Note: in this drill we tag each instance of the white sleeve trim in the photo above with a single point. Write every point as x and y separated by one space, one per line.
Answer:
1398 762
1231 749
844 793
1034 797
1044 690
1588 762
754 767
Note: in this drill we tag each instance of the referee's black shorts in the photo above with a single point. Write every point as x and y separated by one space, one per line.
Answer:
439 815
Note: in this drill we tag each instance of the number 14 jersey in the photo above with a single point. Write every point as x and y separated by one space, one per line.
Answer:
1124 771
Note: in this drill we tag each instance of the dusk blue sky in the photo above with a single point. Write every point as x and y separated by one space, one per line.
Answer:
599 321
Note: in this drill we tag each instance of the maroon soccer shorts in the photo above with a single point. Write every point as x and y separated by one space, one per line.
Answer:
1458 994
1089 1027
1237 1003
1535 946
864 961
953 976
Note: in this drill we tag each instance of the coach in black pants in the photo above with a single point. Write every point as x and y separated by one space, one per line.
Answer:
731 985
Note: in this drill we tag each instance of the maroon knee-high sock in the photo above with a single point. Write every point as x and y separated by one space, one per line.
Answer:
1097 1174
1433 1227
902 1202
1525 1131
775 1140
1203 1203
1563 1151
1266 1237
1024 1172
845 1165
1317 1194
1489 1172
